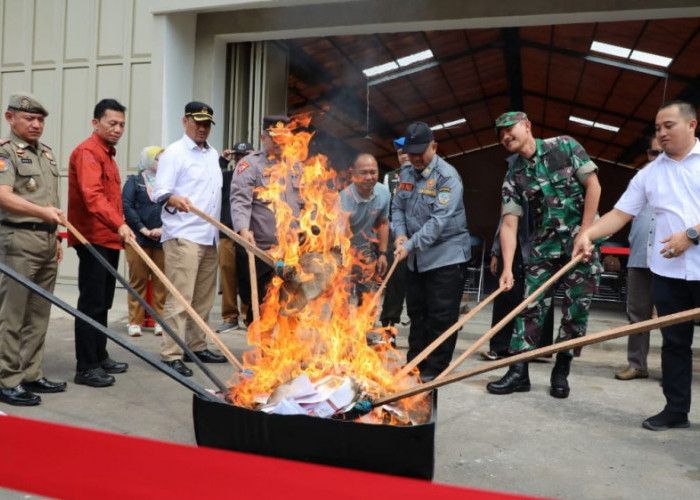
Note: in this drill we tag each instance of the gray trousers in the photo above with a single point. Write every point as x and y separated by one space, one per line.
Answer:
24 316
639 308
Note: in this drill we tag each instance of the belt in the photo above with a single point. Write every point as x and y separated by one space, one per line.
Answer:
31 226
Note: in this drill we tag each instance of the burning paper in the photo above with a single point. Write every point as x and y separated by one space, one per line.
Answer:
324 343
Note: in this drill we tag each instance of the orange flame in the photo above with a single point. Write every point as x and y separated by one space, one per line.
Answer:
328 336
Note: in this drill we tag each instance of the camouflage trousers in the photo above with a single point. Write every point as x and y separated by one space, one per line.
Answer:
578 286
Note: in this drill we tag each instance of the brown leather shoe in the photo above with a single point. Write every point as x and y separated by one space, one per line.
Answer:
629 373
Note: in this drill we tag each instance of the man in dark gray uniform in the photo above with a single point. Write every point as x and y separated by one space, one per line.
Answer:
430 224
251 216
29 216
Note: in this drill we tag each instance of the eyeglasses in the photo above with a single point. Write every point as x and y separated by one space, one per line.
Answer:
654 152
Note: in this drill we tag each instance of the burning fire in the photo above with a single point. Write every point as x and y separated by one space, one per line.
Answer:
328 336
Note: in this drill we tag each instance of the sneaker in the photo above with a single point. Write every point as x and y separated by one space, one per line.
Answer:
666 420
157 330
133 330
226 326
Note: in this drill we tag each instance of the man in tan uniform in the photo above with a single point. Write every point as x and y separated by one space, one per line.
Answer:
29 216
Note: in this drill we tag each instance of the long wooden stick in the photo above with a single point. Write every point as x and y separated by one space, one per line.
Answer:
252 272
613 333
435 343
260 253
377 296
190 310
495 329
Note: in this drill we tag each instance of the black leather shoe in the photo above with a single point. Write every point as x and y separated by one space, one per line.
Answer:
666 420
45 386
111 366
206 356
179 367
19 396
94 377
560 386
516 379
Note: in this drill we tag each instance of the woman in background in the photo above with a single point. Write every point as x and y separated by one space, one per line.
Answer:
142 215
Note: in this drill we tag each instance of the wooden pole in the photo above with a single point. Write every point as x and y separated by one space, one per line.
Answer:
495 329
258 252
613 333
434 345
253 286
377 296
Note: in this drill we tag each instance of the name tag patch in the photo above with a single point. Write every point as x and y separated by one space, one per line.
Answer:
429 192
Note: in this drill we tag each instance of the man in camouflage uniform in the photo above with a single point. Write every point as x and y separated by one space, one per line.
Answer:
559 182
29 216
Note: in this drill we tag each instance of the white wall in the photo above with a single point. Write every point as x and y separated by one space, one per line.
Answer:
70 54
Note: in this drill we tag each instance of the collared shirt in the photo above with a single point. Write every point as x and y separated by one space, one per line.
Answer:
32 173
95 193
248 211
552 183
672 188
364 213
186 170
641 238
428 208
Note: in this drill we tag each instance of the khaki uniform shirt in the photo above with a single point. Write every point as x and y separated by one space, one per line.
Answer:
32 173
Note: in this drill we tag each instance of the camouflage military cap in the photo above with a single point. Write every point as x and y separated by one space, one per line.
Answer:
23 101
510 118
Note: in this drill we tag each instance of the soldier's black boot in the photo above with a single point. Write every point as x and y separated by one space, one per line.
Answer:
560 386
517 379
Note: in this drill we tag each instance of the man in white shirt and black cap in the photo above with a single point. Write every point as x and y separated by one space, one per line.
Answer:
189 175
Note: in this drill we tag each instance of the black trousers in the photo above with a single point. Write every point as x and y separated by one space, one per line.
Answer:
504 304
394 294
672 296
264 274
432 302
96 294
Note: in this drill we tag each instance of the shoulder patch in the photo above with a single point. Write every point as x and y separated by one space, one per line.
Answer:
444 195
4 164
5 140
241 167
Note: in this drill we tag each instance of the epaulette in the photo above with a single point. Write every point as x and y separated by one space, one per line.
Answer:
5 140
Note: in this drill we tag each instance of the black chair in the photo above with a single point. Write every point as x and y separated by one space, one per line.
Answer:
474 282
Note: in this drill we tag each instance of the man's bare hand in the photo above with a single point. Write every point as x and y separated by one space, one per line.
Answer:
181 203
125 233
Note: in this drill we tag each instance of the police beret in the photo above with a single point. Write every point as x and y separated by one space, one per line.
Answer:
23 101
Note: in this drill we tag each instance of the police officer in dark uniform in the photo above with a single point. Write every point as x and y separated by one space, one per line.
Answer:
252 217
29 216
430 224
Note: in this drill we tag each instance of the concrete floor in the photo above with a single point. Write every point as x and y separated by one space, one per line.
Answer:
589 446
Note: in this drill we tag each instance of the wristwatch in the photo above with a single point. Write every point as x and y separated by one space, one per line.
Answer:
692 235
